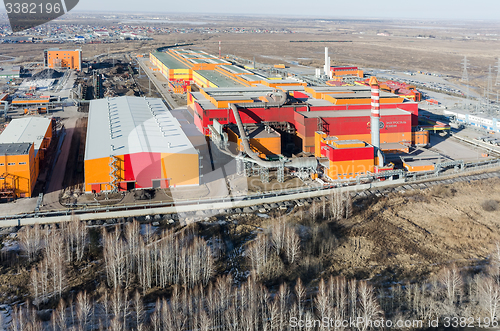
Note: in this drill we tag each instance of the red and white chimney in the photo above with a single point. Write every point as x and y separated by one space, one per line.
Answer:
375 113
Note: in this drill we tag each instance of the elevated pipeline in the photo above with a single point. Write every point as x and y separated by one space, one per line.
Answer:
289 163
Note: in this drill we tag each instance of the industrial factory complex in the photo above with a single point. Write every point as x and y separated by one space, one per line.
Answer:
338 126
347 130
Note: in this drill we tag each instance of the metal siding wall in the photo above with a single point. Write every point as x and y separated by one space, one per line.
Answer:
145 167
197 121
347 125
181 169
96 171
127 168
342 169
349 154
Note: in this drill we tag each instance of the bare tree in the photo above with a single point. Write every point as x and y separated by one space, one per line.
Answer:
300 294
77 237
278 229
55 255
321 301
370 309
324 207
139 311
258 253
495 261
452 282
489 296
336 205
314 211
119 306
30 240
292 244
60 315
24 318
352 286
83 308
156 317
114 257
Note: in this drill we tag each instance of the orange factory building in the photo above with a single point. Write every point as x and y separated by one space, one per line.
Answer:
17 170
346 71
208 71
263 140
345 159
22 148
55 58
135 143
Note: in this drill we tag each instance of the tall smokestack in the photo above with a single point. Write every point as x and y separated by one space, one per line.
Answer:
327 62
375 117
329 73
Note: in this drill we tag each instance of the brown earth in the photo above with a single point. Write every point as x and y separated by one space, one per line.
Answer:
404 236
409 45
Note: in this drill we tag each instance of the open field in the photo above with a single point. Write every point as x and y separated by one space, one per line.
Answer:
430 46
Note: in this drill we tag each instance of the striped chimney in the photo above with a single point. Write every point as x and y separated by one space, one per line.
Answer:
375 113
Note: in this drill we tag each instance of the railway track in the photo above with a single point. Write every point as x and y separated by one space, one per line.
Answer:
239 204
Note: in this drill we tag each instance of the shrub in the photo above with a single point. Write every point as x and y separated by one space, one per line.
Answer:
490 205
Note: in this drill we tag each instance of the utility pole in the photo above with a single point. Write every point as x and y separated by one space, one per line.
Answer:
497 83
489 83
465 76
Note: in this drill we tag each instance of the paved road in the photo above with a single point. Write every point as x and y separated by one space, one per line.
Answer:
55 185
156 82
69 116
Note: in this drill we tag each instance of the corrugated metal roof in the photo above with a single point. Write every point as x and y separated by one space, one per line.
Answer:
128 125
240 89
236 69
169 61
64 49
15 149
218 79
26 130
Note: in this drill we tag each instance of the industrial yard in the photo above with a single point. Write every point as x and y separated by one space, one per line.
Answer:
294 118
143 159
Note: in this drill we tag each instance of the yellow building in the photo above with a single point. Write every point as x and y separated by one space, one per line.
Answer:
351 95
17 170
33 130
55 58
24 142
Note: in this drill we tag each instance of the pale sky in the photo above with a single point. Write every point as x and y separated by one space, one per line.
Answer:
424 9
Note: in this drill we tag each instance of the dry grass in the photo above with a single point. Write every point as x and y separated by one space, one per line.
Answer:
403 236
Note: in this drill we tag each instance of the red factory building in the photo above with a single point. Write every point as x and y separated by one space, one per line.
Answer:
343 112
